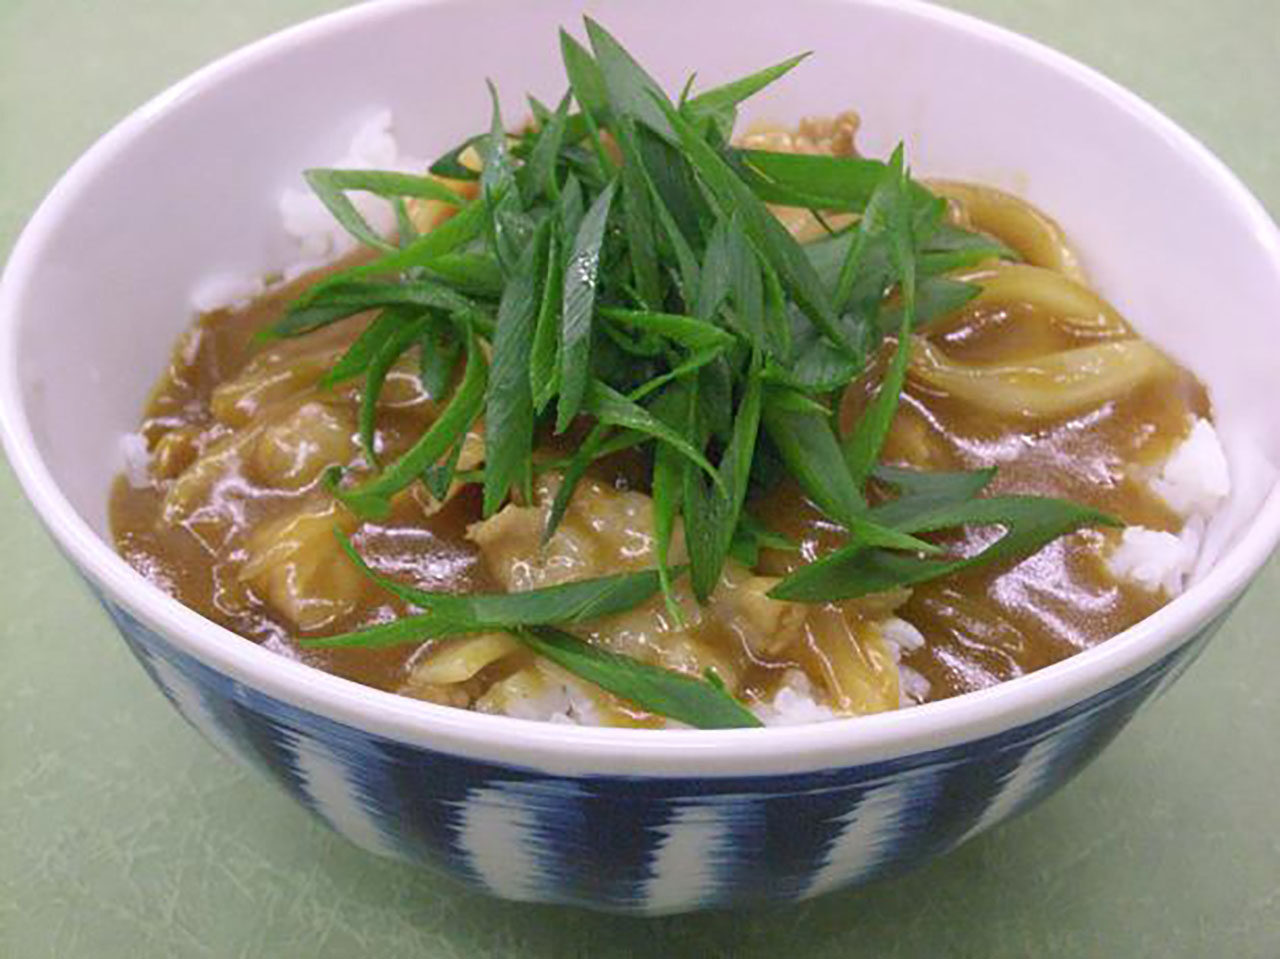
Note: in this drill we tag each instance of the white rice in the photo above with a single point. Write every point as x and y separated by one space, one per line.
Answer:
320 239
901 637
1194 480
224 291
135 460
562 700
795 701
793 704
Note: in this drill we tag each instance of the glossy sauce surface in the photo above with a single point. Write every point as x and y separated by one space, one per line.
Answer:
982 627
1001 621
198 558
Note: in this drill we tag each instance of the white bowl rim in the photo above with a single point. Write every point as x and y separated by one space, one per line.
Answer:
587 750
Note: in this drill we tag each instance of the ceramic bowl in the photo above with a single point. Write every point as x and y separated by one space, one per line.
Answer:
98 288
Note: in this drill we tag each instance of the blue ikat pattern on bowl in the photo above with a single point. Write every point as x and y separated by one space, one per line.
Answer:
646 845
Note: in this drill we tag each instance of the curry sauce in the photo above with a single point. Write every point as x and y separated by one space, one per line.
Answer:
982 627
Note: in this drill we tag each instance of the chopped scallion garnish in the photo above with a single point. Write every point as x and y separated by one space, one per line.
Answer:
621 273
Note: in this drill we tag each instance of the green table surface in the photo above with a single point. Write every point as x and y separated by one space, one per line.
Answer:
123 834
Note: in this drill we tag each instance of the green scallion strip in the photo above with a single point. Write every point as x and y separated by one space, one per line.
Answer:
372 499
700 703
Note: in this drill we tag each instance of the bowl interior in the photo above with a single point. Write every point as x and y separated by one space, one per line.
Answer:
99 288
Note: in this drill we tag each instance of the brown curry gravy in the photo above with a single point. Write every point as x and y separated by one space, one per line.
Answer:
981 627
1003 620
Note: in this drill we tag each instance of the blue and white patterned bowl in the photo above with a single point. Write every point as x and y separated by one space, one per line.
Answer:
632 820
